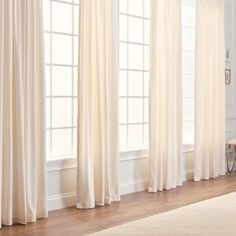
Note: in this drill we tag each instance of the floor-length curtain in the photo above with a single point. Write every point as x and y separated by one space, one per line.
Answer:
98 149
210 90
165 96
22 123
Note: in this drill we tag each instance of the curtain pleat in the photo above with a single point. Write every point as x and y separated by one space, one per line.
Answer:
22 113
165 110
209 90
98 149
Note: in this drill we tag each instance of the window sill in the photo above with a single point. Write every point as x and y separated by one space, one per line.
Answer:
61 164
129 155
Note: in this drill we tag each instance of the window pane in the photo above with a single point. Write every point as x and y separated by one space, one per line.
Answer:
48 113
188 63
76 19
123 55
147 7
75 51
48 146
61 81
123 6
188 16
61 112
74 141
61 142
191 3
135 57
146 31
75 81
146 109
135 138
188 109
188 86
61 17
188 39
123 83
123 27
136 7
146 58
47 39
135 83
135 29
146 135
61 49
123 137
135 110
46 14
48 80
123 111
75 112
188 132
146 83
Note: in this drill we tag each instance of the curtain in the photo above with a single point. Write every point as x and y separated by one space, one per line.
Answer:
98 149
22 123
210 91
165 110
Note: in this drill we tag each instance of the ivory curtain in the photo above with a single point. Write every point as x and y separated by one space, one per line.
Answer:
210 91
22 123
165 96
98 149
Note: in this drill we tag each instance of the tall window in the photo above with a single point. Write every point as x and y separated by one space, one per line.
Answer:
61 46
134 73
188 68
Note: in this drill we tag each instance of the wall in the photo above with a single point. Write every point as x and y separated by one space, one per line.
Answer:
134 167
230 42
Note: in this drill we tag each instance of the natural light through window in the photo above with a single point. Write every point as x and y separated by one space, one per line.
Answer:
61 52
188 68
134 73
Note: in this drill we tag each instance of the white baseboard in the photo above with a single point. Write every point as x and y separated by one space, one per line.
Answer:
61 201
134 186
189 175
69 199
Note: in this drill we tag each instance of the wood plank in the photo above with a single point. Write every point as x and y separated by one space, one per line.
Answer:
71 221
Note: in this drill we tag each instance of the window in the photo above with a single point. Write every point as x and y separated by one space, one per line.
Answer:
61 46
134 73
188 68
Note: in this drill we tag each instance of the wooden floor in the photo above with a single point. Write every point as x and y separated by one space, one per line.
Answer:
70 221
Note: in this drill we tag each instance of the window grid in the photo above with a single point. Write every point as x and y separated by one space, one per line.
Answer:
50 82
188 6
127 70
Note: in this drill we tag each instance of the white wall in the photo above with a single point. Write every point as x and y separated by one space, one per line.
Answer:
134 168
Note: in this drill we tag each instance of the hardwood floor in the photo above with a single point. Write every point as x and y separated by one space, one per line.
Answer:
70 221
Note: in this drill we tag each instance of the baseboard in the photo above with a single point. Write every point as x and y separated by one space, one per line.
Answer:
57 202
189 175
134 186
69 199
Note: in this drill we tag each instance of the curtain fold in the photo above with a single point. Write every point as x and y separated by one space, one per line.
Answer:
98 149
165 110
22 110
209 91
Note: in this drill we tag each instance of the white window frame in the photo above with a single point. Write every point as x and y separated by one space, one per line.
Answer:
142 149
49 65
